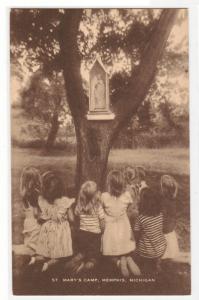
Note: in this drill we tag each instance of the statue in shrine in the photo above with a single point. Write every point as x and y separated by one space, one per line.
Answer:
99 93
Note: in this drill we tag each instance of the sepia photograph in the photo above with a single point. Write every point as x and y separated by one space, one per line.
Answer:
100 151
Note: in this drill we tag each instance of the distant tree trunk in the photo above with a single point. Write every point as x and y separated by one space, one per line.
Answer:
52 133
95 138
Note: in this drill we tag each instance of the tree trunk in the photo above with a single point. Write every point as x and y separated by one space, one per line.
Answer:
52 133
94 138
93 147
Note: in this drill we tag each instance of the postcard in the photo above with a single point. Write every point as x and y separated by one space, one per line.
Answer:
100 151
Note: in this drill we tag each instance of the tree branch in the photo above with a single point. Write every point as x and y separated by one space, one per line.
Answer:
144 74
72 61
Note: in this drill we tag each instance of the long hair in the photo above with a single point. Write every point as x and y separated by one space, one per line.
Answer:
169 186
115 183
30 186
52 186
88 199
150 203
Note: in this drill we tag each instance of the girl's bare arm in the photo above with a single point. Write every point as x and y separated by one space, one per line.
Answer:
71 216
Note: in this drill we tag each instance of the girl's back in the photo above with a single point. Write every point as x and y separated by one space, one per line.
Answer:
56 211
152 242
91 222
117 238
116 206
55 235
91 216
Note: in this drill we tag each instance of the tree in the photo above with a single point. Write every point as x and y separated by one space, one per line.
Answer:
44 98
65 39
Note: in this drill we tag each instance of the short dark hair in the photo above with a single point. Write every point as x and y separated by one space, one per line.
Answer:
52 186
150 202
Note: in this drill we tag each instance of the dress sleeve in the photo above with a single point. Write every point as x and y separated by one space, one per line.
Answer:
101 212
63 204
48 211
128 198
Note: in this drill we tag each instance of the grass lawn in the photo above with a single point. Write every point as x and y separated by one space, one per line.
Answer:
156 161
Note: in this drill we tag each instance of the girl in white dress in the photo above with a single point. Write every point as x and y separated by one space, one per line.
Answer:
169 189
30 188
118 240
54 240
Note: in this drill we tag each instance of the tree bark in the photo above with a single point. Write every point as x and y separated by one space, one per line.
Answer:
95 138
93 147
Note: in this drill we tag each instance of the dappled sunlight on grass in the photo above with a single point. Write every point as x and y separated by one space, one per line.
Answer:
169 160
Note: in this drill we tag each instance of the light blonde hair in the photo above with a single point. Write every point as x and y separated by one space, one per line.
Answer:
88 199
169 186
30 185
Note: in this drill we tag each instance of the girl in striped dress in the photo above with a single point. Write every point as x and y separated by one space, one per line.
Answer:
148 230
91 218
54 241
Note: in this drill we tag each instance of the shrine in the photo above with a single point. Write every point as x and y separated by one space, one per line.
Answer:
99 102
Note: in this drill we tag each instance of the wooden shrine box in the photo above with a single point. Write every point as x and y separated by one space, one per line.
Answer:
99 102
